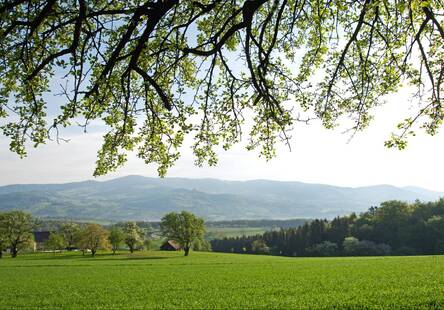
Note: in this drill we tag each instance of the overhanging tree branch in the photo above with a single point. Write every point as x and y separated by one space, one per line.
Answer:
156 71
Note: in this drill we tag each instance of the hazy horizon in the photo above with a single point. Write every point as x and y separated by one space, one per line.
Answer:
318 156
105 179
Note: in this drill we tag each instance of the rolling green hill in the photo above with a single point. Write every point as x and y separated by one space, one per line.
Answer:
147 199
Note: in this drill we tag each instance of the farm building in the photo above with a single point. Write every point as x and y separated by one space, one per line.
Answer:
170 245
40 239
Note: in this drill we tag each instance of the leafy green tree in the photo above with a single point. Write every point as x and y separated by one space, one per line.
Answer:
325 248
183 227
133 235
147 243
260 247
389 220
94 237
71 234
145 68
116 238
394 227
339 229
436 225
153 244
350 245
3 240
354 247
17 230
80 240
147 237
56 242
201 245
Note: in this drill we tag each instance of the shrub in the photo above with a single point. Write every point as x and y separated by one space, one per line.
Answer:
354 247
260 247
325 248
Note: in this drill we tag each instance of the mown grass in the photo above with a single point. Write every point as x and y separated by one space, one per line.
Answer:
209 280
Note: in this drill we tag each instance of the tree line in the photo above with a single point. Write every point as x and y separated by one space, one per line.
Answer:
16 234
395 227
263 223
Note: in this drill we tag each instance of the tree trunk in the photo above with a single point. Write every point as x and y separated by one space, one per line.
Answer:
187 250
114 251
14 252
1 253
131 249
93 253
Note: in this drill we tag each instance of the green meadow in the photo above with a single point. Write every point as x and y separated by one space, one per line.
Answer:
164 280
226 232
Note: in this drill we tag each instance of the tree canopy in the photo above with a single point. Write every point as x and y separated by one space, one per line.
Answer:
158 71
16 230
94 237
394 227
183 227
116 238
56 242
71 234
132 235
3 239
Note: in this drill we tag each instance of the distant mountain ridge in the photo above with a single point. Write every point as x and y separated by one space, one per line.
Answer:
143 198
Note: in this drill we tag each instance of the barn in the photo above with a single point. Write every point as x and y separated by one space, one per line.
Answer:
170 245
40 239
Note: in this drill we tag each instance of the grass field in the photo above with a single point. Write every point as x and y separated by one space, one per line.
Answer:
210 280
222 232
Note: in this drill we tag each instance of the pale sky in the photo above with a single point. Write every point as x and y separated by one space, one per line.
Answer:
318 156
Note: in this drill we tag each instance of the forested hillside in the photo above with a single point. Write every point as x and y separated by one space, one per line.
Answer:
147 199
